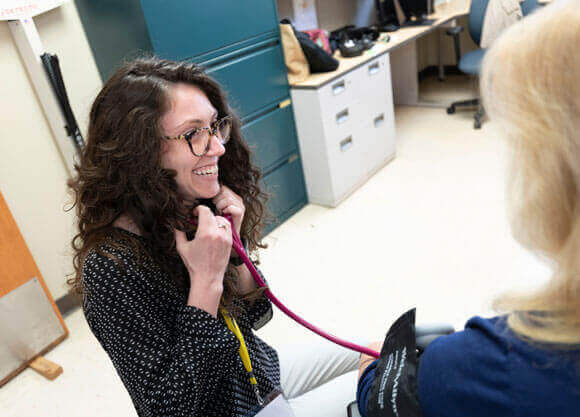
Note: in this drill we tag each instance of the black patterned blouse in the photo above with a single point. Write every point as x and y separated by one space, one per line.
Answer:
174 359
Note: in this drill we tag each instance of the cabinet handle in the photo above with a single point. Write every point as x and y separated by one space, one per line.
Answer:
284 103
342 116
373 68
293 158
338 88
380 119
346 144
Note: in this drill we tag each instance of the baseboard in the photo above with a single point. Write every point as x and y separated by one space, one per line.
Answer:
68 303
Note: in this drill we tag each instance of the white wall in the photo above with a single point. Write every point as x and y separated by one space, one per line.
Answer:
32 173
333 14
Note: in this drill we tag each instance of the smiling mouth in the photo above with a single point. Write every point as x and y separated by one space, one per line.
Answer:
206 171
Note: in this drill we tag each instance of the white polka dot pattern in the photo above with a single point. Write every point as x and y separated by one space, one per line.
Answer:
174 359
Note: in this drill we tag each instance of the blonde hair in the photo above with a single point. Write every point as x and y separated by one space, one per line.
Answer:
531 90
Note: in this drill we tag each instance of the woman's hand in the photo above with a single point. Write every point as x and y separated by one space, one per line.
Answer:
228 202
366 360
206 258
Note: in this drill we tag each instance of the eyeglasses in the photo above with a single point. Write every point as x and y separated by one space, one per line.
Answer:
199 138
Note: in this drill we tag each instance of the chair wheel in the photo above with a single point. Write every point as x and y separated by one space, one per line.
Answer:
450 109
477 124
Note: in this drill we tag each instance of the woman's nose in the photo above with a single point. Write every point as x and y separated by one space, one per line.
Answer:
216 147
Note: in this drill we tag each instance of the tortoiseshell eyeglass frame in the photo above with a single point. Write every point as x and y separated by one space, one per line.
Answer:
213 131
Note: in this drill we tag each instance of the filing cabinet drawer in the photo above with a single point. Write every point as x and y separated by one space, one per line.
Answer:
373 81
272 137
184 29
339 93
376 110
345 159
344 119
378 135
373 77
286 188
253 80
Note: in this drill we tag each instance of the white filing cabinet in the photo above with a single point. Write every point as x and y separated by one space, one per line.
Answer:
346 130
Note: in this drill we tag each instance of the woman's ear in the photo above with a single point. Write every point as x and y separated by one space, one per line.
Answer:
164 147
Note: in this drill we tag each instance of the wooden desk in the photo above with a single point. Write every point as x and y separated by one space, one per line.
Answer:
404 36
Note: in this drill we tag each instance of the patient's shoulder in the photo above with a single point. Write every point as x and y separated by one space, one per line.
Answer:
488 370
481 339
467 368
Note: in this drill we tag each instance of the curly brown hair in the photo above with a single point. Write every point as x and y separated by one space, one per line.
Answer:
120 172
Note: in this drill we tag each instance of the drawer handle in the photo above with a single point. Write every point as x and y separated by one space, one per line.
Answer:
373 68
346 144
342 116
379 120
338 88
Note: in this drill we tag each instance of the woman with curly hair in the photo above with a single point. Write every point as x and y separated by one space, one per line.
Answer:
164 163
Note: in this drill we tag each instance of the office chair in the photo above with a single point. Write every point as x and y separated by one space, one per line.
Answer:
470 63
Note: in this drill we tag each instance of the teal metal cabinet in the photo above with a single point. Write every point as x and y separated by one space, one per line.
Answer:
272 138
116 31
253 80
181 29
287 191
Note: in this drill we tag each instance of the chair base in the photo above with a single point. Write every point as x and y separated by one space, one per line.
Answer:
479 114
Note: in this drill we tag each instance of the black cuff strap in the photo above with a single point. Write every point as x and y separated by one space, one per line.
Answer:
394 390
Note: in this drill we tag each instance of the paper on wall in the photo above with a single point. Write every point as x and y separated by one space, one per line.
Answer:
305 17
21 9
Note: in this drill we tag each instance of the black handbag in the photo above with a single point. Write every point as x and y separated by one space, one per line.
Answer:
353 41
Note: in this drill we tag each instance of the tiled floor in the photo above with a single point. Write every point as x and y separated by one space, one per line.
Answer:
429 230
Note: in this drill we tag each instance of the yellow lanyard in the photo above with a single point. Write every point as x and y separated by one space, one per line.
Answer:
243 351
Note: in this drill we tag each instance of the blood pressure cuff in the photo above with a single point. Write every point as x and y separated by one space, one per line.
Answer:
394 391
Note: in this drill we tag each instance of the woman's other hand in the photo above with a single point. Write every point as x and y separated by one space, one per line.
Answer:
206 258
228 202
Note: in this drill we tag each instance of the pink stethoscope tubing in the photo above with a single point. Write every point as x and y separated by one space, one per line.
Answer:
239 248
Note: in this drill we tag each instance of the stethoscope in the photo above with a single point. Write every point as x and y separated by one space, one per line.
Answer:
239 248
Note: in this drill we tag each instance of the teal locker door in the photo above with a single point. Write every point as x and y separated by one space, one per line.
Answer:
253 80
181 29
272 138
